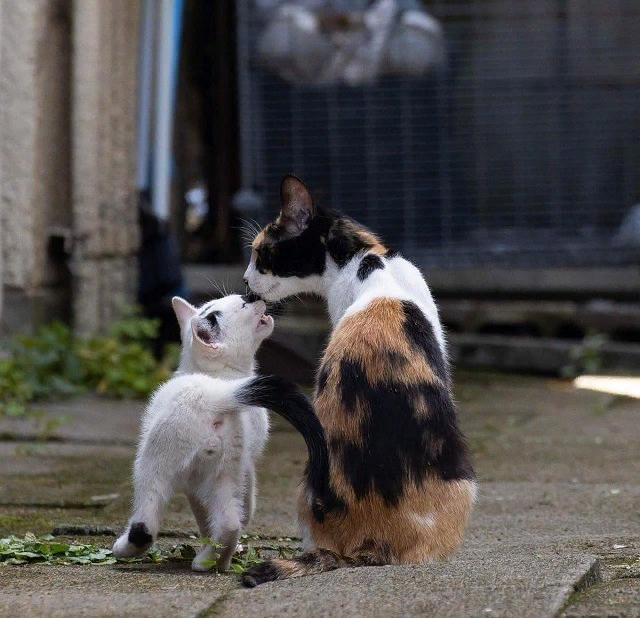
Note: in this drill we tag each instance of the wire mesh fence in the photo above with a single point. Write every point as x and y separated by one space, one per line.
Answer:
522 147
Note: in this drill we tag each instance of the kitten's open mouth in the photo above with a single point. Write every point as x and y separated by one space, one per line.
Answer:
265 320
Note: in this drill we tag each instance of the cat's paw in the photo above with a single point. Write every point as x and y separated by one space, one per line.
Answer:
134 542
123 549
204 560
239 548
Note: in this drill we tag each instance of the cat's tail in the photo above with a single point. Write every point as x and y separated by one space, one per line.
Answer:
283 397
311 563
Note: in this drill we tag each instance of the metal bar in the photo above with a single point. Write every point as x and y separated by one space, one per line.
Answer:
145 86
247 172
444 173
408 179
373 207
296 132
334 148
163 113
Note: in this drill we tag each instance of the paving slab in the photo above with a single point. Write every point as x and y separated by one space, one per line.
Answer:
90 419
522 582
139 590
615 594
559 503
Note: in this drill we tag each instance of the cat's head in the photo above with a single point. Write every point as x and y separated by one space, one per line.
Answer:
222 332
291 254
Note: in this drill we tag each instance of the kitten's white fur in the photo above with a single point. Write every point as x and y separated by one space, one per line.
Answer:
195 437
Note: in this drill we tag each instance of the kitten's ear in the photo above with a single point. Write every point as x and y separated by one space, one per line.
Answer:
208 342
297 207
182 309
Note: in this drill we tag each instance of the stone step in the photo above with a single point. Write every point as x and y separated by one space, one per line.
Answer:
537 283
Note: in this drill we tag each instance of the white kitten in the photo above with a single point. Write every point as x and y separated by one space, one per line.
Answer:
198 434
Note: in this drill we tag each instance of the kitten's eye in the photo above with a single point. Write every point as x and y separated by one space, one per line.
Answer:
212 318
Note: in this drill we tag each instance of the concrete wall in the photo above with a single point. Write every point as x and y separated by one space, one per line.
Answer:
103 165
67 159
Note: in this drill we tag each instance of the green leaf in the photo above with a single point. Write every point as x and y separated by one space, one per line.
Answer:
15 409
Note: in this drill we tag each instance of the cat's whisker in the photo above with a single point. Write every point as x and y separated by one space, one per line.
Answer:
216 286
257 226
250 227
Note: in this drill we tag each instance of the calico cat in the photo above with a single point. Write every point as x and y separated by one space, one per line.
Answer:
198 435
393 482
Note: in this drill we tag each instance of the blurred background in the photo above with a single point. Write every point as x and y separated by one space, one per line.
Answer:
495 143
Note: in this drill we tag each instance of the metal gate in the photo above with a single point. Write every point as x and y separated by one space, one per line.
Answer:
521 149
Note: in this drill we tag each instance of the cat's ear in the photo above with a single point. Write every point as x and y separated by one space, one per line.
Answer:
296 203
206 340
183 310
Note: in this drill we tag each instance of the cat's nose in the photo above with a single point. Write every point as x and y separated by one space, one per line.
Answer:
251 297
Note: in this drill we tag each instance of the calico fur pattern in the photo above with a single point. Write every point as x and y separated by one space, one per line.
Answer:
398 485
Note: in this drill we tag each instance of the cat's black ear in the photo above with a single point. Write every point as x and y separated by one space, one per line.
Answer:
297 208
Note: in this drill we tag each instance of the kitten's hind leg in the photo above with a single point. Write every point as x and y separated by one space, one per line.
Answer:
249 504
200 513
224 529
149 500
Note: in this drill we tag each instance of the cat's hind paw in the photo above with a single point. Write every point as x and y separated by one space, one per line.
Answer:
204 560
123 549
134 542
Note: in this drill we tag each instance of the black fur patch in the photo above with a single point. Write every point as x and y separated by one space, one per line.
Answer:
400 443
351 376
323 376
419 332
300 256
212 318
396 359
139 535
305 254
368 264
391 253
283 398
343 243
250 298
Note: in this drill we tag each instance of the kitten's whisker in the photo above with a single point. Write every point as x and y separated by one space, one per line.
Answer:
216 286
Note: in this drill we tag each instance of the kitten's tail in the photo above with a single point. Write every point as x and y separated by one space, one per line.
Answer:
284 398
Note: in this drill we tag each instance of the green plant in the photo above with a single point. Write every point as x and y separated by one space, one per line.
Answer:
54 363
48 550
586 357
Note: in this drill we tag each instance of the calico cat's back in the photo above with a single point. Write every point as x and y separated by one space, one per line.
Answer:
383 399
